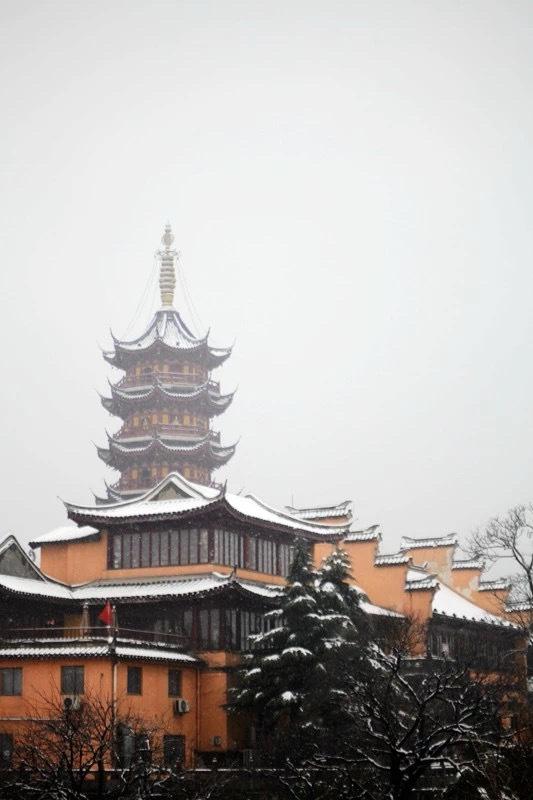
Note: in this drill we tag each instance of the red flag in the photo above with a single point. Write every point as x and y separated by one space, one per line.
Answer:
106 614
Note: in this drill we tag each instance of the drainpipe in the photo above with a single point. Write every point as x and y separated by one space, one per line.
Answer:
112 640
197 714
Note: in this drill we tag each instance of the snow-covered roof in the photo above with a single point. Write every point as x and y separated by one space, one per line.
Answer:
468 563
167 329
379 611
139 588
205 445
35 587
79 648
161 388
66 533
321 512
366 535
418 578
502 584
390 559
408 543
194 497
452 604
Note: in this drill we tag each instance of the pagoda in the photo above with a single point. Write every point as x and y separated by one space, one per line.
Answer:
166 399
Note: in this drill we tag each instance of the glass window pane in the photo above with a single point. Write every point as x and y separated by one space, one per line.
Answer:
184 547
136 550
174 547
193 546
174 683
145 550
251 552
163 541
214 639
155 549
204 545
203 625
117 551
126 550
134 683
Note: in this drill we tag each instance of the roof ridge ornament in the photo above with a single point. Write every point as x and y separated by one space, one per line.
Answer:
167 272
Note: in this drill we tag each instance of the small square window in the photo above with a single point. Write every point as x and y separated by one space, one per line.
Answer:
6 749
135 675
72 680
173 750
174 683
11 681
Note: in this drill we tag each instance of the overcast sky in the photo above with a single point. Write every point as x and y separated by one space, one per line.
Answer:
350 187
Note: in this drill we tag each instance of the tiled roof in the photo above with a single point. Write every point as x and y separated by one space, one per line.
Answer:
366 535
99 591
468 563
66 533
79 648
389 559
321 512
408 543
200 498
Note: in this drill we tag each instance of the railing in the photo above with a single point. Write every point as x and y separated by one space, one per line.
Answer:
88 633
170 378
188 431
165 428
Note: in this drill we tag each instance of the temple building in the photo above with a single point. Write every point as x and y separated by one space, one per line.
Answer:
191 572
166 399
191 569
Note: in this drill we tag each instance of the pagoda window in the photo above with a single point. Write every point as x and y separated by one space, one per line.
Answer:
165 419
135 422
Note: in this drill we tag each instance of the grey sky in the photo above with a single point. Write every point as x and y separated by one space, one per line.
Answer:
350 188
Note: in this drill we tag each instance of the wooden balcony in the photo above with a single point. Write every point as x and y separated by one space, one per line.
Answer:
165 429
94 634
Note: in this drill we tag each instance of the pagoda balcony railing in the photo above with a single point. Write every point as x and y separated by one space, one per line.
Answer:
167 378
182 431
88 633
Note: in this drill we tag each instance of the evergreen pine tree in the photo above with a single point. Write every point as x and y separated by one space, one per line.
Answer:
293 680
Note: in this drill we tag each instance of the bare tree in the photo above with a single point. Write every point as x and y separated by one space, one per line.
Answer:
96 749
510 538
414 725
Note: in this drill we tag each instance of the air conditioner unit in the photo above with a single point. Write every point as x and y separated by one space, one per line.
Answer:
72 702
181 706
216 741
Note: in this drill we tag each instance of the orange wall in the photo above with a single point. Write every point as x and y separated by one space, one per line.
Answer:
42 679
81 562
438 559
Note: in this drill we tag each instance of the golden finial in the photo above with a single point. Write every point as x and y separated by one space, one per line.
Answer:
167 274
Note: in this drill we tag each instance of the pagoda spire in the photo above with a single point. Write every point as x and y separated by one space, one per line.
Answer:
167 272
